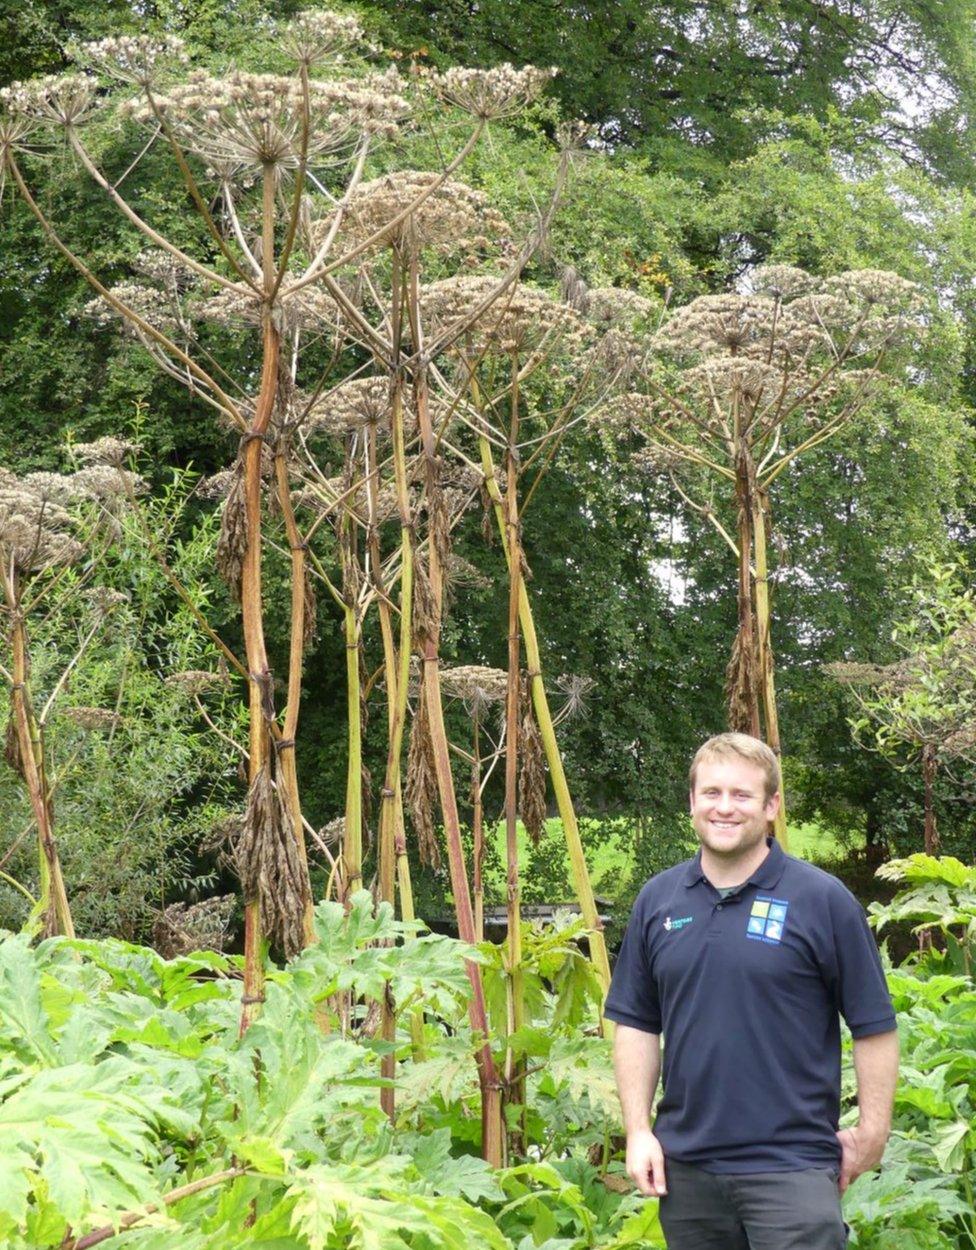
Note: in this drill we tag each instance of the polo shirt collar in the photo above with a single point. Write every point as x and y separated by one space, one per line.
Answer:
766 876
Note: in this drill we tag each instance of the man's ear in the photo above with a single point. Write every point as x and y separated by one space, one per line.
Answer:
772 806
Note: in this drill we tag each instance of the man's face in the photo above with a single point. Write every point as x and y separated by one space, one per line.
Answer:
729 808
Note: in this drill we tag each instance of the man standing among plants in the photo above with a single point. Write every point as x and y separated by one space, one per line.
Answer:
743 959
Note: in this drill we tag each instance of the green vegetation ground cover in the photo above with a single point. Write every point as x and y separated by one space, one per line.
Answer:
128 1098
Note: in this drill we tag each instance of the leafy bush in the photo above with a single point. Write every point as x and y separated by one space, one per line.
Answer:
127 1100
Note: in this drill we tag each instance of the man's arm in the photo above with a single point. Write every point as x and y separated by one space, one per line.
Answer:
876 1069
637 1063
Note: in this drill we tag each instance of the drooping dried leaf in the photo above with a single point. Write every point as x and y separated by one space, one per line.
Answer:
532 770
421 788
269 864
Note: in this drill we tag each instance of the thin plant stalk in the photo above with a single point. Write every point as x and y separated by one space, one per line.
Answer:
492 1122
285 744
547 731
352 842
477 830
53 901
259 675
743 677
514 1085
767 675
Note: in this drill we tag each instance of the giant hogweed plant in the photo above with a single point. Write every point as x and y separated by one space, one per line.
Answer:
134 1114
323 267
730 392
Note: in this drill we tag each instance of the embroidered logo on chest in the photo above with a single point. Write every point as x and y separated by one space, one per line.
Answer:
677 923
767 920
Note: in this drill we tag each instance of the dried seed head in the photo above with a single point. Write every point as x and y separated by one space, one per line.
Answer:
241 123
577 690
306 308
489 94
449 219
515 320
186 927
196 681
140 60
107 450
617 306
58 100
783 282
319 35
351 405
92 718
34 528
474 683
154 306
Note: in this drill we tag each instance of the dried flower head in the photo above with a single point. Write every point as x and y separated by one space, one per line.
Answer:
34 530
92 718
196 681
351 405
449 219
476 685
617 306
319 35
243 123
781 281
136 59
515 320
577 690
107 450
489 94
60 100
152 305
307 308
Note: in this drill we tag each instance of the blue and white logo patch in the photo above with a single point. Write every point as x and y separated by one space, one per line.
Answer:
767 919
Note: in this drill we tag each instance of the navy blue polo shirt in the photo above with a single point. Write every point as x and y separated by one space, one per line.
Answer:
747 991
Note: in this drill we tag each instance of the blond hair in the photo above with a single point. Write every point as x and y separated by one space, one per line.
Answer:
743 747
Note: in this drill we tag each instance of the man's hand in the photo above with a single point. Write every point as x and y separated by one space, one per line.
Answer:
862 1151
645 1163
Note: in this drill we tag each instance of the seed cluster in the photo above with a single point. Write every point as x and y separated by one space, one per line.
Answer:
453 218
515 321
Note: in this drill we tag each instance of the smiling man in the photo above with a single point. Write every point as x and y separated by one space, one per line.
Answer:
743 959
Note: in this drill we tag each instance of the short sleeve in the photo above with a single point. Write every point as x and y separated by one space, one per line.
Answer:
633 998
853 968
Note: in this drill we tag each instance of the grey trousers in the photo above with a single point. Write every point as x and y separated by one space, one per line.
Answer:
752 1211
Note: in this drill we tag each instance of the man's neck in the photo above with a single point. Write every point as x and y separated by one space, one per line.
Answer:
729 870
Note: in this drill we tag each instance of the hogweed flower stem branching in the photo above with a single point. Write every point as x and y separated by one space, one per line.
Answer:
319 269
160 240
291 230
201 204
229 407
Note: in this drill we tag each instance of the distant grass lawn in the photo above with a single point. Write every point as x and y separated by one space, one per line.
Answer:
610 858
809 841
